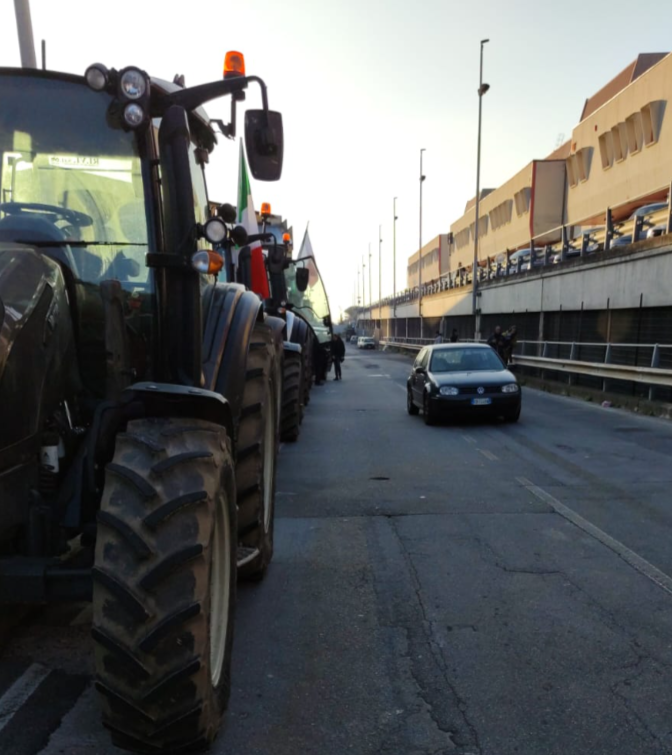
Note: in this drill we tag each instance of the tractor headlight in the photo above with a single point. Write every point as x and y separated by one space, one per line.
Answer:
510 388
97 77
133 84
214 230
134 115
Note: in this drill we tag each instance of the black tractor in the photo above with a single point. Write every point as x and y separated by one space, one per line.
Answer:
138 387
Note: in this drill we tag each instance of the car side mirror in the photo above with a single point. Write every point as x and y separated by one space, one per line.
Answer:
302 276
421 370
264 143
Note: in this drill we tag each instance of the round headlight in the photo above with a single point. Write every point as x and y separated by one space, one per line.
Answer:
97 77
449 390
510 388
133 84
134 115
214 230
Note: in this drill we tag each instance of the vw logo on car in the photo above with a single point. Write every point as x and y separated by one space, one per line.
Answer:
480 390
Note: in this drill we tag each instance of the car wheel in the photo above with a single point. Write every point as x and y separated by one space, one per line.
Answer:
411 408
428 412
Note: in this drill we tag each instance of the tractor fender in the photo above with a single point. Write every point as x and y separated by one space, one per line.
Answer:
183 401
232 314
277 325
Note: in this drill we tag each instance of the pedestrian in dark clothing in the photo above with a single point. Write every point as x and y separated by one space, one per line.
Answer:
498 342
510 341
338 353
454 337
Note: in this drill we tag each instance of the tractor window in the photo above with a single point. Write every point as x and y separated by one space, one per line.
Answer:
312 303
70 182
201 206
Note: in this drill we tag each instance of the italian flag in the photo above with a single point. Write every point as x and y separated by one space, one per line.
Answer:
248 219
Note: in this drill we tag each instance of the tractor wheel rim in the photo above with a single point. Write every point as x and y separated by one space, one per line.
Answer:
220 589
269 457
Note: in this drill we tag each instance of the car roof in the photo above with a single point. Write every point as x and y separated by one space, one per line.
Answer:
459 345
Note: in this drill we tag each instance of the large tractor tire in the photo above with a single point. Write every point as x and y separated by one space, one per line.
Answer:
292 397
165 585
256 457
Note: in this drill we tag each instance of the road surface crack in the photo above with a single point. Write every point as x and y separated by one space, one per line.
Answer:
429 632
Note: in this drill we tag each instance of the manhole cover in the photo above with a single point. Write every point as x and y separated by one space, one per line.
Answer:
379 478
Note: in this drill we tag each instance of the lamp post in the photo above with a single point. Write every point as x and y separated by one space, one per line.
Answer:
380 276
394 260
422 178
363 284
24 27
482 89
370 294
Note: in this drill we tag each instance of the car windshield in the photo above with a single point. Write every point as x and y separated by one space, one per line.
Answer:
68 180
465 360
312 304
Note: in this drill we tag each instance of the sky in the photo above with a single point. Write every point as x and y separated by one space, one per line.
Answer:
363 85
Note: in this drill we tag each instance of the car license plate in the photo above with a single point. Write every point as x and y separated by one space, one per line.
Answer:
481 401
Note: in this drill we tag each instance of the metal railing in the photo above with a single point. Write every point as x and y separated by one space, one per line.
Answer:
636 363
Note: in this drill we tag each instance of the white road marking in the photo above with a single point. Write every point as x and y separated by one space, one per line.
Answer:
15 697
488 454
630 557
469 439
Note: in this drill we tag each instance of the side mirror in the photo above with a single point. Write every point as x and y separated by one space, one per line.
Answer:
302 276
276 259
264 142
421 370
326 321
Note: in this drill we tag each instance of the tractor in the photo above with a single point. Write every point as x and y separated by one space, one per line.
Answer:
139 395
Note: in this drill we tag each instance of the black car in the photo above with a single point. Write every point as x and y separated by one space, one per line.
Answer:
469 378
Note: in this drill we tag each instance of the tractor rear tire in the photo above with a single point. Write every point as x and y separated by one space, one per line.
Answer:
165 585
256 457
292 389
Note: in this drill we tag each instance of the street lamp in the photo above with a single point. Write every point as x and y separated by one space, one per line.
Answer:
370 294
380 277
482 89
422 178
363 283
394 259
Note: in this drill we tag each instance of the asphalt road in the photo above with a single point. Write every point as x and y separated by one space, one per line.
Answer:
467 588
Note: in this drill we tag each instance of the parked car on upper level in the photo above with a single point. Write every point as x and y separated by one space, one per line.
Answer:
456 377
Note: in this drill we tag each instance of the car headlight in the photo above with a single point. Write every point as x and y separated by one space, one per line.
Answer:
449 390
511 388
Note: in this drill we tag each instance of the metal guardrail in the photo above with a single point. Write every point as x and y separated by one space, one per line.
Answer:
613 365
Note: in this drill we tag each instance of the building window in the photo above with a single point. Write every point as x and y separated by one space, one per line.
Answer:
635 133
570 163
501 214
462 238
522 200
583 164
606 149
619 139
651 122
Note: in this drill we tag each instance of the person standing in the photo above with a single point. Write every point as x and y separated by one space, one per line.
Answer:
338 353
454 336
498 342
439 337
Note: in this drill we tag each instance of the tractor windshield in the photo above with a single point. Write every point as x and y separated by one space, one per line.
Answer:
313 303
70 182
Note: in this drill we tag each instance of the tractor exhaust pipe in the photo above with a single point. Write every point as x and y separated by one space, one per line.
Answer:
24 26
